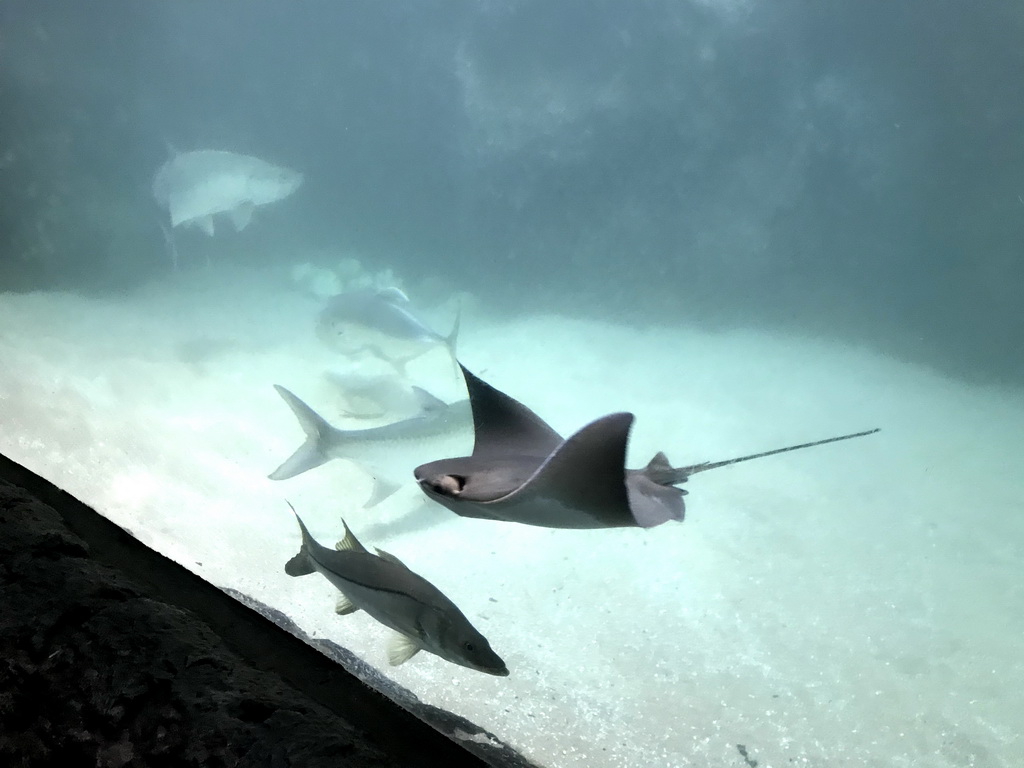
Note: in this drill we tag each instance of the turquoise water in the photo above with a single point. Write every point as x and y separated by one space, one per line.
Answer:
751 225
855 602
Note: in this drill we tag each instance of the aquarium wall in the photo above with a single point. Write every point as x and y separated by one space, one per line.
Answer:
263 263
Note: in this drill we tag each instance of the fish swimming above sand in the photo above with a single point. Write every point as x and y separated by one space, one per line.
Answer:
381 322
375 396
522 471
380 584
196 186
375 448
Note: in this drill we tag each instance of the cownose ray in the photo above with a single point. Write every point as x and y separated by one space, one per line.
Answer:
522 471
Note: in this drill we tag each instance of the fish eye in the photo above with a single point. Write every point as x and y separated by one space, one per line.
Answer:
468 646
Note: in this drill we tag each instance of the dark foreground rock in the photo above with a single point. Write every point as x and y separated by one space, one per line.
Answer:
99 669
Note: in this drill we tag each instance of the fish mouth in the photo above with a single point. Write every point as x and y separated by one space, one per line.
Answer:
501 672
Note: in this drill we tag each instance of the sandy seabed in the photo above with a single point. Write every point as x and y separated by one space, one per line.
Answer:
857 604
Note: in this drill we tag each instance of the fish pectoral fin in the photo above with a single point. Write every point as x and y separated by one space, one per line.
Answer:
390 558
401 649
205 223
242 215
382 489
427 402
345 606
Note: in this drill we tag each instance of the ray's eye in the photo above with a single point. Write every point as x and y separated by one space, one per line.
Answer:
469 647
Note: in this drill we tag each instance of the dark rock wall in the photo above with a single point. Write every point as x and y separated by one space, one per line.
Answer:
96 670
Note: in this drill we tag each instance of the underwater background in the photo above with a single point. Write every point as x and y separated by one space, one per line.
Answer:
750 223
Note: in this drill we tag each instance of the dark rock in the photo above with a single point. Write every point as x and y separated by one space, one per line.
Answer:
97 670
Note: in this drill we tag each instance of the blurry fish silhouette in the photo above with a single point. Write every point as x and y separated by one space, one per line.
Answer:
381 322
372 448
423 618
196 186
169 245
522 471
375 396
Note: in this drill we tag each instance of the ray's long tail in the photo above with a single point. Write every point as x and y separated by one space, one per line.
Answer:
665 474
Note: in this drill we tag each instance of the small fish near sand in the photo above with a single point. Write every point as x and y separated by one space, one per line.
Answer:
522 471
372 448
382 323
196 186
423 618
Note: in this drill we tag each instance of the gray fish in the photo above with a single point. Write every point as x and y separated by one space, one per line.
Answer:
522 471
423 618
372 448
381 322
195 186
379 395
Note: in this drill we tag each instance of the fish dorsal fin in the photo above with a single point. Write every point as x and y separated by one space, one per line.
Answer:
401 649
349 543
588 470
390 558
504 426
393 294
383 488
427 402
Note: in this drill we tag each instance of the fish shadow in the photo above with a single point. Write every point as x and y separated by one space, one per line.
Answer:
421 516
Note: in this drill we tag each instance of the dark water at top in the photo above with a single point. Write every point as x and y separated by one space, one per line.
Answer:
848 169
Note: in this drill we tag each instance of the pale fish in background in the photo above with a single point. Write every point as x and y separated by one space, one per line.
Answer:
377 450
196 186
422 617
374 396
381 322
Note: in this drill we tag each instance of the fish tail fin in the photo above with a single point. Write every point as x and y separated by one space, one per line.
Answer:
302 563
311 453
452 339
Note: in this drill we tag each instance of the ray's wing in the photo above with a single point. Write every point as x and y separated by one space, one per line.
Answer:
586 472
505 427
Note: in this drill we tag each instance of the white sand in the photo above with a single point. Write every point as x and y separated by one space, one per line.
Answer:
859 604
